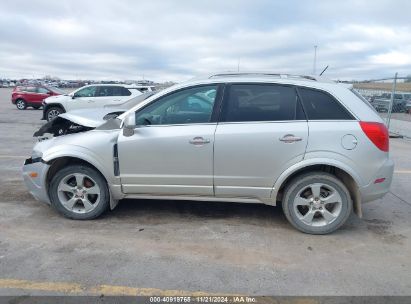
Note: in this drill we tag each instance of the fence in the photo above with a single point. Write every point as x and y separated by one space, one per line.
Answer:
391 97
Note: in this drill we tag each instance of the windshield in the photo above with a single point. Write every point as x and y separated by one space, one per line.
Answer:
132 102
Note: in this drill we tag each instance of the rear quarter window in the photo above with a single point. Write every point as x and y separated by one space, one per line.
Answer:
125 92
319 105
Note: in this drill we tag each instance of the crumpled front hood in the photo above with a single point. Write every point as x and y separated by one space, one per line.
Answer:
79 121
89 117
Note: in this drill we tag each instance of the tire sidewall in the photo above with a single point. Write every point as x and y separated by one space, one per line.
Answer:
96 176
297 184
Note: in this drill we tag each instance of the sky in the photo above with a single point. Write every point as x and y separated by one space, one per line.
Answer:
180 39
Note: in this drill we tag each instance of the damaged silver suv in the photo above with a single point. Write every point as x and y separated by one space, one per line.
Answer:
314 146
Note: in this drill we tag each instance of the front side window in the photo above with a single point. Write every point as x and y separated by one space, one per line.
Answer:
86 92
319 105
42 91
186 106
261 102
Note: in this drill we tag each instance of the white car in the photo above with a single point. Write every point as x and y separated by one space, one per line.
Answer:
313 146
91 96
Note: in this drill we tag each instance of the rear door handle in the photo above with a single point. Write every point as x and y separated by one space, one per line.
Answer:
199 141
290 138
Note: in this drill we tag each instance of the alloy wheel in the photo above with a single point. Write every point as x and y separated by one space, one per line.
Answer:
317 204
52 114
79 193
20 105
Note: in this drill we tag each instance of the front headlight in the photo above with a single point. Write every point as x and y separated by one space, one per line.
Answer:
36 155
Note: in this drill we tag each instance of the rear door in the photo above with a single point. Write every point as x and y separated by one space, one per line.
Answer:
120 95
262 132
30 94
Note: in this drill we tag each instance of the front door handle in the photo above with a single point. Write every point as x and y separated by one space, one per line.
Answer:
290 138
199 141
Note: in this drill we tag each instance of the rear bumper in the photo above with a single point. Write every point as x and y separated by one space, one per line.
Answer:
375 191
37 186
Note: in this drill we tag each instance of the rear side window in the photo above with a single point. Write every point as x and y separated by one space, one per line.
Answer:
319 105
261 102
30 89
103 91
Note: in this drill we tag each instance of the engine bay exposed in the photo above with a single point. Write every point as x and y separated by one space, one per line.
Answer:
60 126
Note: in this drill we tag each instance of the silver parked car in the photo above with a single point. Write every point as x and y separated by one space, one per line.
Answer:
311 145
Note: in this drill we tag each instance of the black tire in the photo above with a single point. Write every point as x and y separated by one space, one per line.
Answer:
300 187
51 112
91 175
36 107
21 104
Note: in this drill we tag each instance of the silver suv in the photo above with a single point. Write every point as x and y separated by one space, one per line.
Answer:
313 146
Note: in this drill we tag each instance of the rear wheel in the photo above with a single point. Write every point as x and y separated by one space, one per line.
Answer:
21 104
53 112
79 192
317 203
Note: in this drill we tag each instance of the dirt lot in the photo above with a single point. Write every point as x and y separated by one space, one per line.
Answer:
163 247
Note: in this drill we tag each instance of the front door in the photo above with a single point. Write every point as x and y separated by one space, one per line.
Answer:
262 132
83 98
171 150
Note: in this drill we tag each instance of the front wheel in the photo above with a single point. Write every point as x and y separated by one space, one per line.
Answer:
317 203
21 104
79 192
53 112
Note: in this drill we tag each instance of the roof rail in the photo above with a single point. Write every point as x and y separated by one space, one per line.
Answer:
268 74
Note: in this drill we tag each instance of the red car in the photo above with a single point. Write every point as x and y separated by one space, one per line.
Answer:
32 96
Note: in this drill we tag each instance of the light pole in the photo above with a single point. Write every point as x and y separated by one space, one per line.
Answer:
315 59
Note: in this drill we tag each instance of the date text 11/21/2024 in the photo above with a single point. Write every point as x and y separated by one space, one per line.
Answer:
203 299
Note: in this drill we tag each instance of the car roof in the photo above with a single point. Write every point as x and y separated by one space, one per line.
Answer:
128 86
311 81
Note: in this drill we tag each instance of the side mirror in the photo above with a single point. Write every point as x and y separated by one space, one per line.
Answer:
129 124
49 93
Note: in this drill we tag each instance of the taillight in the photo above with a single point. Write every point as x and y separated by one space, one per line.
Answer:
377 133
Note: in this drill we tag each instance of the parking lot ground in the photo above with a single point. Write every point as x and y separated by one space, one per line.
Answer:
163 247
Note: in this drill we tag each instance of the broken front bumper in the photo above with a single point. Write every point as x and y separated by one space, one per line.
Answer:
35 178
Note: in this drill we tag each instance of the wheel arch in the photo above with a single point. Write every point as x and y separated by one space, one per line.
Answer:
60 162
347 177
51 105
